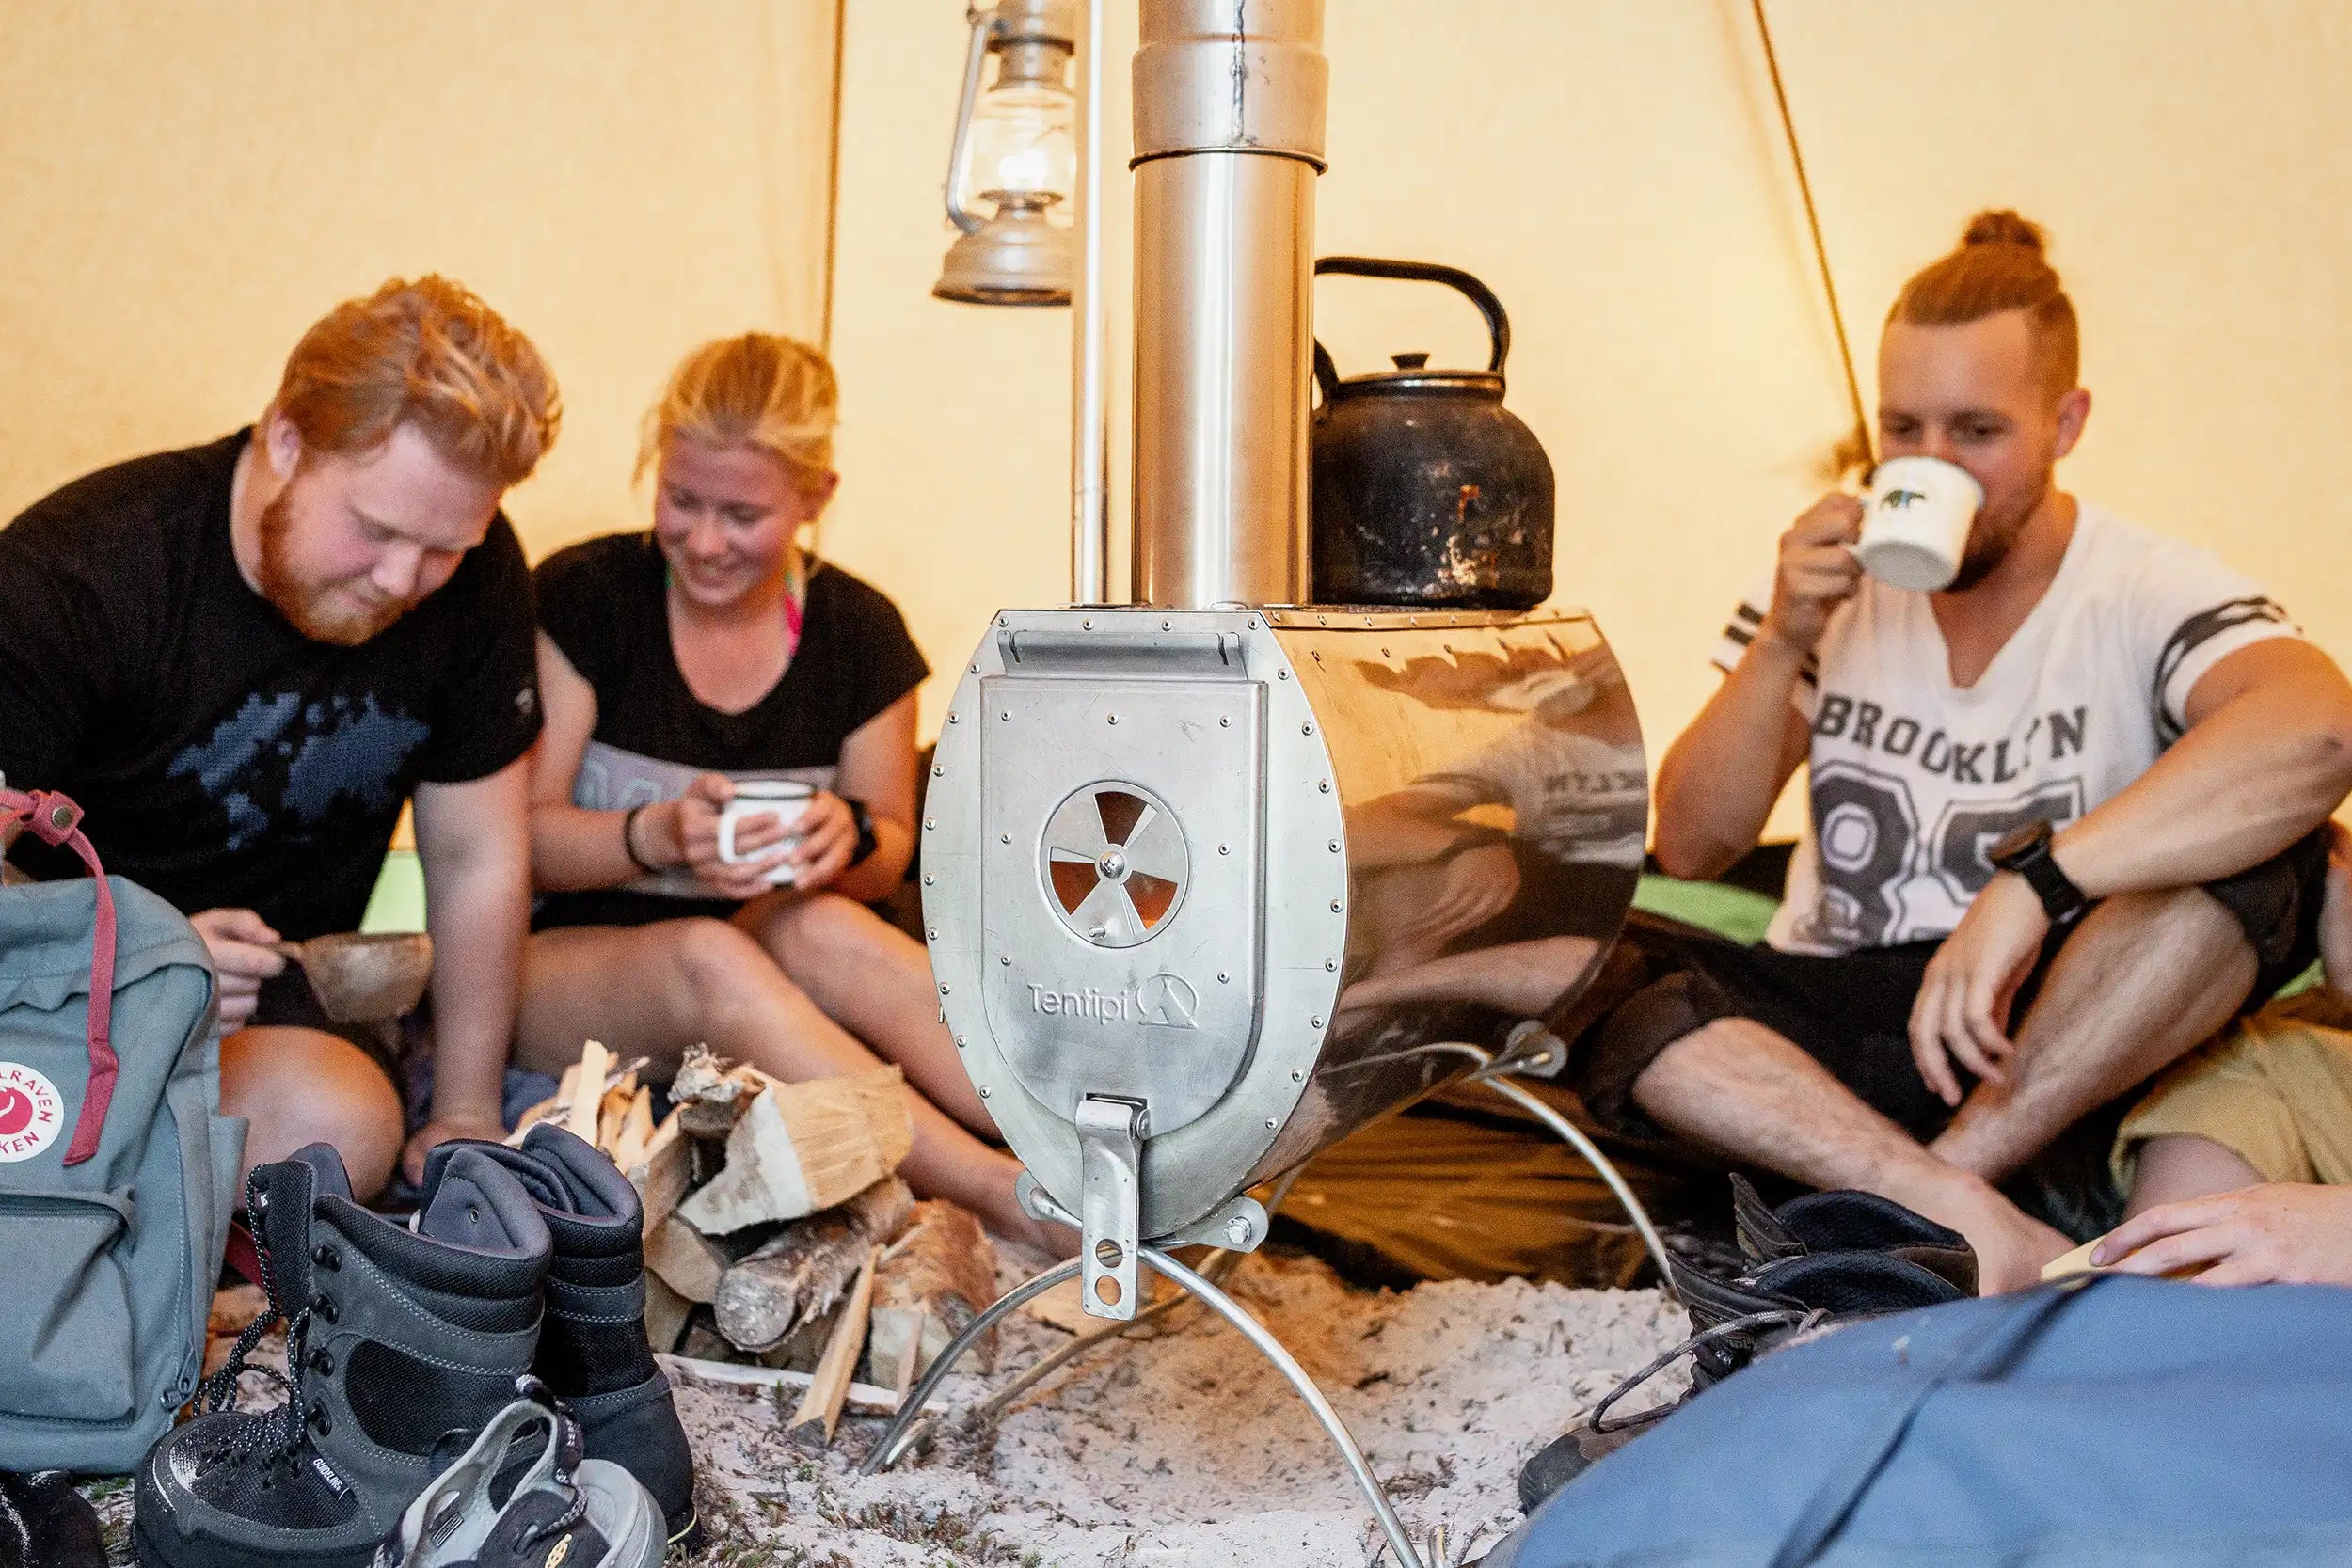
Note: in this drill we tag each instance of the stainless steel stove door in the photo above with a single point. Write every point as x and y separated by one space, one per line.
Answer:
1121 839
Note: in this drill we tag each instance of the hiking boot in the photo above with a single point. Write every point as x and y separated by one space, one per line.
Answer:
45 1523
1790 1291
401 1345
564 1508
593 1354
1849 1221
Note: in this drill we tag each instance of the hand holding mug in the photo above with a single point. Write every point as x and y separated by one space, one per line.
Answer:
826 837
1818 571
756 840
760 825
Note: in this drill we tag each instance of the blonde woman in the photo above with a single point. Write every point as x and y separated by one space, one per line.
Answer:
675 665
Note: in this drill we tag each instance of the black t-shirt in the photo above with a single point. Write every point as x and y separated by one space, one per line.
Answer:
604 602
226 760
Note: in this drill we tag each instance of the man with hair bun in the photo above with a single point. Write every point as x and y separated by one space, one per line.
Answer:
2132 727
241 658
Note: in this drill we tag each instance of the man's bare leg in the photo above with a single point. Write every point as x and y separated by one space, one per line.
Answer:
300 1086
1746 1092
2181 1165
2147 976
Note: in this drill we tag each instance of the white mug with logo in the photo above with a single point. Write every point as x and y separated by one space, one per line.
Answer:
1916 520
785 800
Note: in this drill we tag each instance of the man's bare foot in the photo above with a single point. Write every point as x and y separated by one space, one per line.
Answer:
2010 1244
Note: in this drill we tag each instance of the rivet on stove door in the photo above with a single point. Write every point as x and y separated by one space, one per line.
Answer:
927 879
1329 967
1004 959
1335 903
1299 1075
930 822
1334 847
1305 729
974 666
1225 723
952 718
943 988
1314 1023
1004 838
1004 716
1086 625
1168 626
1325 786
1271 1124
932 933
983 1091
960 1042
1223 978
1284 675
938 772
1114 718
1224 848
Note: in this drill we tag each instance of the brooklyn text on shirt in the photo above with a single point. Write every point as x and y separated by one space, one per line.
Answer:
1861 723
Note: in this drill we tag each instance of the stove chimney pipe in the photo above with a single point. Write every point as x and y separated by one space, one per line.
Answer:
1228 108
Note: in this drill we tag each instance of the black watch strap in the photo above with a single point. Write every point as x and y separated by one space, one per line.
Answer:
2027 851
866 842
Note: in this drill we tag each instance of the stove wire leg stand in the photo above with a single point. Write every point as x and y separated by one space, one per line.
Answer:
906 1426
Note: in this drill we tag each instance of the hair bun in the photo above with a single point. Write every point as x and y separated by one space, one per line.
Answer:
2004 225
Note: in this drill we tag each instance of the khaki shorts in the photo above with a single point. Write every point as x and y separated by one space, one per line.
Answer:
2276 1091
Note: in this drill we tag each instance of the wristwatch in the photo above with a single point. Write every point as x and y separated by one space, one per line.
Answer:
2027 851
866 842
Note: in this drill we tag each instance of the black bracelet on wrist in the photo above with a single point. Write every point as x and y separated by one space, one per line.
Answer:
629 840
864 819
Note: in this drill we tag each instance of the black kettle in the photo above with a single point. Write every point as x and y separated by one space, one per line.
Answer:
1427 491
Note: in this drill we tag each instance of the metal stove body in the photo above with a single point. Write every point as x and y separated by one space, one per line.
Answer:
1208 890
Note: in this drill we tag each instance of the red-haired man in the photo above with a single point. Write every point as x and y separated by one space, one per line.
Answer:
241 658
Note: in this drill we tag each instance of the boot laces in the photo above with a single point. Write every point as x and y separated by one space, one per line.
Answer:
275 1436
1747 1323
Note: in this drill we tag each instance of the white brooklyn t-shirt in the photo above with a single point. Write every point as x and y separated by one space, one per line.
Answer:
1912 777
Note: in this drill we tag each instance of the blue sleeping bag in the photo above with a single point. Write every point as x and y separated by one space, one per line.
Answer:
2123 1421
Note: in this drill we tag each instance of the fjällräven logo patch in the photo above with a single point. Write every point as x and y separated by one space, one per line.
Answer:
31 1115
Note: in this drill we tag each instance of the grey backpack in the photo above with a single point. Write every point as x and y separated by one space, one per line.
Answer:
118 1171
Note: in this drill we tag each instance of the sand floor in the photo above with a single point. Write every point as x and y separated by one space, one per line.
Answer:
1187 1447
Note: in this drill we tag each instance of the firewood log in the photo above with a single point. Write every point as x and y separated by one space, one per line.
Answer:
830 1387
588 1090
806 1147
933 1280
803 1269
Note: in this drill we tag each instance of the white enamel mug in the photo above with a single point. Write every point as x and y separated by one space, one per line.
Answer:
1915 521
785 800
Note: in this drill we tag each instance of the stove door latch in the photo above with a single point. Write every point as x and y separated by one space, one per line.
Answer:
1110 1202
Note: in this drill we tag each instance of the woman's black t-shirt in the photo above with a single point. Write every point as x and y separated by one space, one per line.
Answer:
604 602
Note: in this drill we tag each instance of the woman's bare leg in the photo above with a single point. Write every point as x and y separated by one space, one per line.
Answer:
875 981
652 990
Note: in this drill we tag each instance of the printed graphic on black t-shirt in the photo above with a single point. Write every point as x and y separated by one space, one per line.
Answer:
223 759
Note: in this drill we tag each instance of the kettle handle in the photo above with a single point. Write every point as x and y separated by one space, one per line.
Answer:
1498 324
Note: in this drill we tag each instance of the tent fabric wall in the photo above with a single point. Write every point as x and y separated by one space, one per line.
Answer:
185 188
1616 173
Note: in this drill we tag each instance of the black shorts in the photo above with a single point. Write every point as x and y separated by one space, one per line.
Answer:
1852 1013
287 1002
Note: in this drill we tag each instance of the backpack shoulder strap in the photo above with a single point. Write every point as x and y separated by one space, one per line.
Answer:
54 820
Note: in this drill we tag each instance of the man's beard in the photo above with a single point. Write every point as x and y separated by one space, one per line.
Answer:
313 610
1989 544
